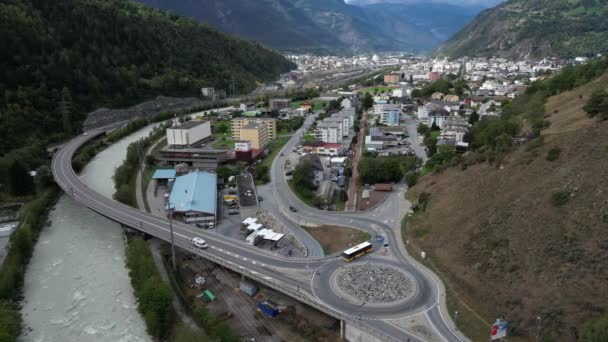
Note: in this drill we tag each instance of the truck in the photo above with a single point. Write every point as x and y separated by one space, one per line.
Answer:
269 308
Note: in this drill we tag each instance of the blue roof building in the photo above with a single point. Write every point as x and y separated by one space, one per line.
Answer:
194 196
164 174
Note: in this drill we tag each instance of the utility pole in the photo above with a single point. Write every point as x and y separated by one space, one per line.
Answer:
169 204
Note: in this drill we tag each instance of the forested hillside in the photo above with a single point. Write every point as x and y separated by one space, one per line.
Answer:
535 28
61 59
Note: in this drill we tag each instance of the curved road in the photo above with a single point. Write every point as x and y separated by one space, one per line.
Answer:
289 275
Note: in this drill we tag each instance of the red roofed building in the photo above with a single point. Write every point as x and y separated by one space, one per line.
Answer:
323 149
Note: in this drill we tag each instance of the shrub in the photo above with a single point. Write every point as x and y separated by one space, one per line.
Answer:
423 200
553 153
411 178
559 198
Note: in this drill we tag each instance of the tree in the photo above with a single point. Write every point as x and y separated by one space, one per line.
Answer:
473 118
43 177
20 182
222 127
65 109
597 105
368 101
302 176
10 320
595 331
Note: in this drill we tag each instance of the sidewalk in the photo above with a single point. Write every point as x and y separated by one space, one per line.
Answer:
138 193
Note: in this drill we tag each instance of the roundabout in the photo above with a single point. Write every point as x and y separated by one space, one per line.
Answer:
374 284
372 288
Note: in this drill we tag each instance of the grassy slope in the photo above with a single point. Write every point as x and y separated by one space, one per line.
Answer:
532 258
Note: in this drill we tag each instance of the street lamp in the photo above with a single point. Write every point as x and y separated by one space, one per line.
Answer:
538 320
170 207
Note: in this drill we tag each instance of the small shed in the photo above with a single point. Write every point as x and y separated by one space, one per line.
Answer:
162 176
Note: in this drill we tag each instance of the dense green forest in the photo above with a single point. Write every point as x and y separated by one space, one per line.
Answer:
61 59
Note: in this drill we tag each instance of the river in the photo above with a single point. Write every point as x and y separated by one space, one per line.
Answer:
77 287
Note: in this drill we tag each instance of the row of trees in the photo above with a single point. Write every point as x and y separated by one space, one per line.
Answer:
375 169
124 175
153 295
19 251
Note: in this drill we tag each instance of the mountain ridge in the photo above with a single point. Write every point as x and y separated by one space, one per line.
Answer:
304 25
534 29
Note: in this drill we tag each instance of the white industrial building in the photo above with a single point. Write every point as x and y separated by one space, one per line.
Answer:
188 133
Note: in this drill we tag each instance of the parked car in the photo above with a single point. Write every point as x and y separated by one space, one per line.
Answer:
233 212
293 209
282 154
199 243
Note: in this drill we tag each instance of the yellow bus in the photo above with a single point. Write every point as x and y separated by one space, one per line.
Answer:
357 251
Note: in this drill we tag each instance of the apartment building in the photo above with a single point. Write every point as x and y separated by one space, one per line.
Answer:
239 123
256 134
328 132
278 104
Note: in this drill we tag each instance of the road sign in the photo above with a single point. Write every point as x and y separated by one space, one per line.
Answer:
499 329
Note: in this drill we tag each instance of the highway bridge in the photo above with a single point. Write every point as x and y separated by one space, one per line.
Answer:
307 279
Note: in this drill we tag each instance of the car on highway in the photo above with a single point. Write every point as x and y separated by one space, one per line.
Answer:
260 198
293 209
199 242
281 154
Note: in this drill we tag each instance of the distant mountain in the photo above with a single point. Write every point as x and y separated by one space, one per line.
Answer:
535 28
328 24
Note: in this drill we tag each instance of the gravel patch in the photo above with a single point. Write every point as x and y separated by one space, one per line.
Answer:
375 283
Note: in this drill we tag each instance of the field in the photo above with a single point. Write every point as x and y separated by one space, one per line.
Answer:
505 249
316 104
335 239
374 90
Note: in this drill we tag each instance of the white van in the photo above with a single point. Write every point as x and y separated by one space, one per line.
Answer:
199 243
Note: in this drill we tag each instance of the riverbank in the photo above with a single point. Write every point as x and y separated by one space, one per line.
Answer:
12 273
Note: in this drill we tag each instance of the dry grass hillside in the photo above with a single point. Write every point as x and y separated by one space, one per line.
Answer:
501 244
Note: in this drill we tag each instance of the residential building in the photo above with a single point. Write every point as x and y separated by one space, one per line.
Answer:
328 132
385 107
208 92
323 149
238 123
256 134
433 76
188 133
193 198
390 118
438 117
278 104
392 78
346 103
317 175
